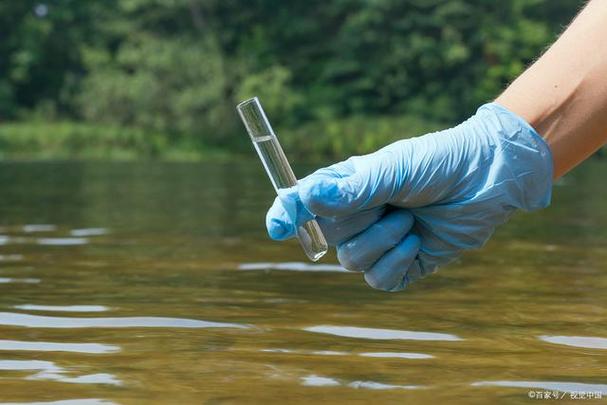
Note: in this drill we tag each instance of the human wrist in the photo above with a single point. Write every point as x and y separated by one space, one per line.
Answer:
522 153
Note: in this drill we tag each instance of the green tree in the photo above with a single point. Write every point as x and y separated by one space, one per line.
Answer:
178 67
174 86
40 58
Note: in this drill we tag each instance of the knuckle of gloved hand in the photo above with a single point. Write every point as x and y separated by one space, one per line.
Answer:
329 230
380 281
391 232
350 256
394 226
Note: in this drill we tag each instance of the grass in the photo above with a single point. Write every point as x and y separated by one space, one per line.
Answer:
353 136
36 140
45 140
316 141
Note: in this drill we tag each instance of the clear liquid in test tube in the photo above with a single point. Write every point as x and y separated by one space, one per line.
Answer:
277 166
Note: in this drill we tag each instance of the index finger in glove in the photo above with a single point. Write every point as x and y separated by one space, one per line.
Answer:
288 212
335 230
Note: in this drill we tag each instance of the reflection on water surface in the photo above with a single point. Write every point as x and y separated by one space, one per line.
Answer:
380 334
63 308
37 321
577 341
92 348
155 283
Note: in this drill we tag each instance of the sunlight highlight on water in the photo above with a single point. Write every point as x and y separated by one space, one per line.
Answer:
156 283
91 348
372 385
319 381
577 341
380 334
62 241
391 355
11 258
293 266
89 232
63 308
80 401
39 228
36 321
17 280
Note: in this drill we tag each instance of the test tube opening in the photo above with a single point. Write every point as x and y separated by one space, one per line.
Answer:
255 120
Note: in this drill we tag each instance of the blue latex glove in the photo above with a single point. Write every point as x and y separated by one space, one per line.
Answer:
399 213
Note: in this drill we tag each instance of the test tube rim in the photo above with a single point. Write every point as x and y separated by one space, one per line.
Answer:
263 131
248 101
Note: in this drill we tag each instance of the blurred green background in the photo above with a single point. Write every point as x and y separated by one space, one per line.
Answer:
141 79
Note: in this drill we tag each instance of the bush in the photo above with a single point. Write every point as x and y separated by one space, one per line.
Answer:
172 86
357 135
43 140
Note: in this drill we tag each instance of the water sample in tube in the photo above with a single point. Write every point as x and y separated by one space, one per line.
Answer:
277 166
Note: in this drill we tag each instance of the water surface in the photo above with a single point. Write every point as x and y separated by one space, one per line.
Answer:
155 283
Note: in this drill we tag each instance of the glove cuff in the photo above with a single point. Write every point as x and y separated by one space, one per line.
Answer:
524 153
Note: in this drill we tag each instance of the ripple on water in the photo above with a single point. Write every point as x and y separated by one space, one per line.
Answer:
562 386
372 385
577 341
90 348
8 280
380 334
307 352
328 353
63 308
26 365
30 228
66 241
319 381
99 378
62 241
397 355
47 370
82 401
37 321
385 355
89 232
292 266
11 258
14 240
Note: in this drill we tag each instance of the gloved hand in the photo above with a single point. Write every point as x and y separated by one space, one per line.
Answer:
399 213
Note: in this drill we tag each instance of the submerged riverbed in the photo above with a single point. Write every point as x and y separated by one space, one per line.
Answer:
155 282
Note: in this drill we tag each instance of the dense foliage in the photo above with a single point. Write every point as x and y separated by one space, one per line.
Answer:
345 75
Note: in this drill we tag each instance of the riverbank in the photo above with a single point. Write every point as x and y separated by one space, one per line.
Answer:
319 141
39 140
44 140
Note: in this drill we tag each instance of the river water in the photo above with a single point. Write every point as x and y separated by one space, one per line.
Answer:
134 283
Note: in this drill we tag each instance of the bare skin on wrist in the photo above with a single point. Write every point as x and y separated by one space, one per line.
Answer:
563 95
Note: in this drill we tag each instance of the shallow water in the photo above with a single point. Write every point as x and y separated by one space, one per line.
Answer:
129 283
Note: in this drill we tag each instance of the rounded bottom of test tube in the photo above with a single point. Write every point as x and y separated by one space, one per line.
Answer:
317 256
312 240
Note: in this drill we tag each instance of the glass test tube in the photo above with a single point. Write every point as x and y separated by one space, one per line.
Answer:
277 166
